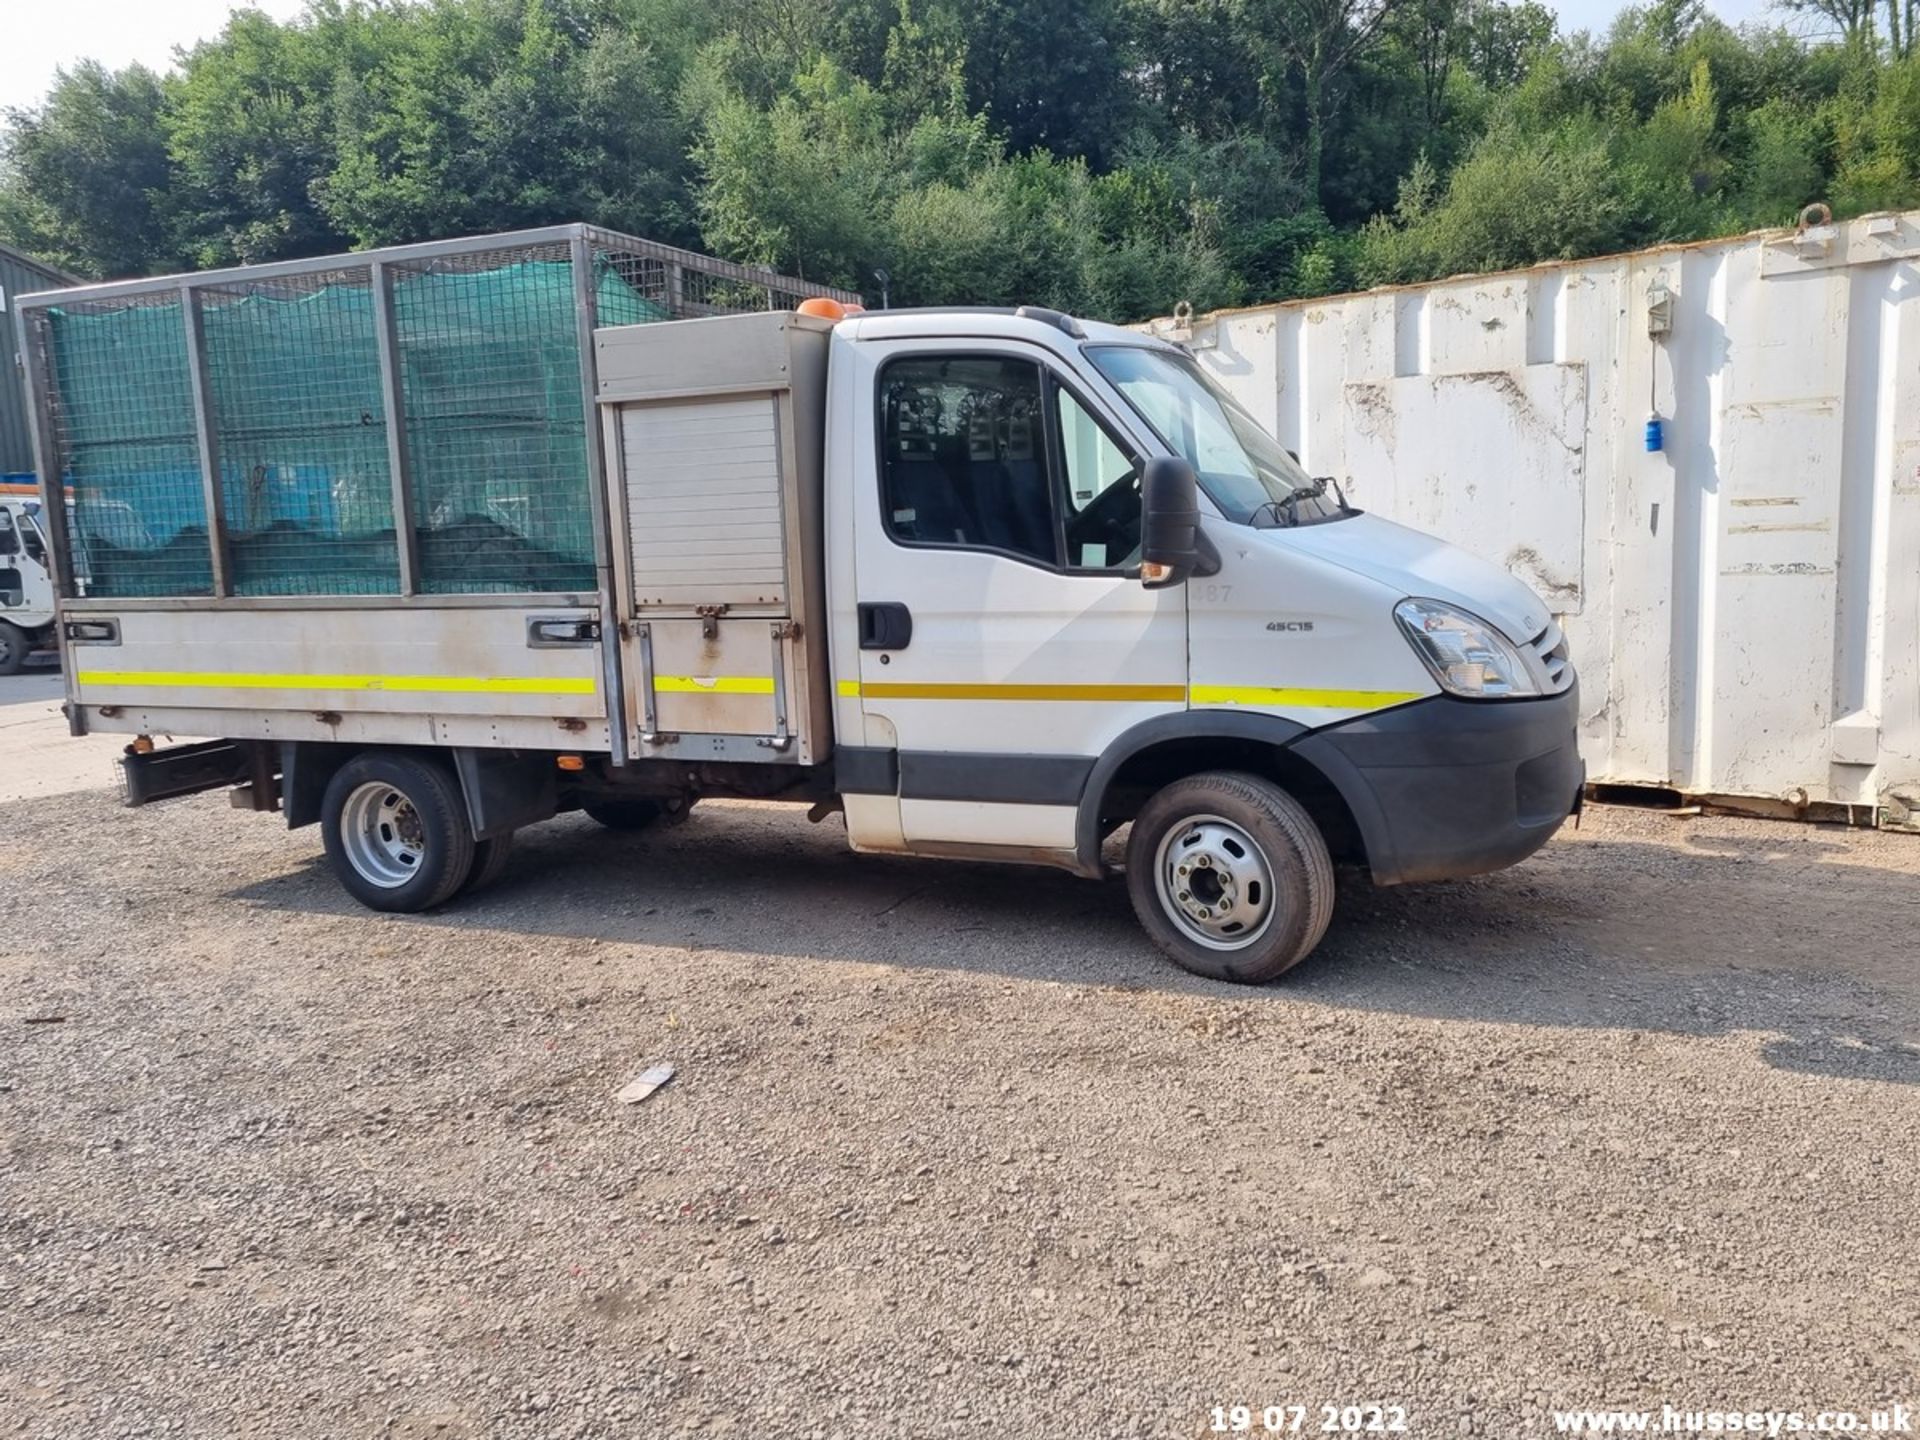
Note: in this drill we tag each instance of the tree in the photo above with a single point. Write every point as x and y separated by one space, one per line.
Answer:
1111 156
248 129
1517 198
1046 74
1317 41
797 184
473 117
1851 20
1432 33
1193 70
84 178
1501 41
1878 143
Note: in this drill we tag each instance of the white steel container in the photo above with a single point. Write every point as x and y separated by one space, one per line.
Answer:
1743 603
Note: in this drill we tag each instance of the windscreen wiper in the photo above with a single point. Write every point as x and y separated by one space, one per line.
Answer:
1287 509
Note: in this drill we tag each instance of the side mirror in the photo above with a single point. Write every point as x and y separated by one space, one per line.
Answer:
1170 542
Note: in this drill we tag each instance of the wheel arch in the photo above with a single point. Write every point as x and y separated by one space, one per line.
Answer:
1171 747
502 790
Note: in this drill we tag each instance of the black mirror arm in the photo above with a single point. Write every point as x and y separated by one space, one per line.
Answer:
1208 561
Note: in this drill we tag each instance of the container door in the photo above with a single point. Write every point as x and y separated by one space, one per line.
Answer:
1003 642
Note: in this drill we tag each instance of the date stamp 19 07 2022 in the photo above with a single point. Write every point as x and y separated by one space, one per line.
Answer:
1296 1419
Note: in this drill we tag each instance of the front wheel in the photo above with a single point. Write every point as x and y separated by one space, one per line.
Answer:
14 648
396 831
1230 876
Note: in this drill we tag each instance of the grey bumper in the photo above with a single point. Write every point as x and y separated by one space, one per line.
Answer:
1444 788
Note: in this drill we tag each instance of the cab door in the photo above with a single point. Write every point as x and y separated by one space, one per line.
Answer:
1003 641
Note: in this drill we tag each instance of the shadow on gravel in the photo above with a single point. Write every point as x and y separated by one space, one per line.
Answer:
1689 938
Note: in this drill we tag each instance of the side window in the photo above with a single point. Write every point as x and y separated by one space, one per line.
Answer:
1102 491
963 455
9 542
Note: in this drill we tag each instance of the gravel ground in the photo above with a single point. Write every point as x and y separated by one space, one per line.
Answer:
37 755
951 1150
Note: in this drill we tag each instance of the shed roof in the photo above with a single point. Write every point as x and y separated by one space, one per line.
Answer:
40 267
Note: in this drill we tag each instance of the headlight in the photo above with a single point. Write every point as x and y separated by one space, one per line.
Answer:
1466 654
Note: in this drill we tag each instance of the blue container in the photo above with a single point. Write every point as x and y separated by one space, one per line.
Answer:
1655 441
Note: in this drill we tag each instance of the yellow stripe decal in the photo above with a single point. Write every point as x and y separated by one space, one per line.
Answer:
714 684
415 684
1290 697
885 690
1300 698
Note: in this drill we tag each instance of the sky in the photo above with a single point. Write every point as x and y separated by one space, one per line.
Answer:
43 35
40 36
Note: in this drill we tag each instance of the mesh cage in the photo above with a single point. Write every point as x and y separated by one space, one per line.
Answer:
492 412
121 412
682 285
488 345
300 435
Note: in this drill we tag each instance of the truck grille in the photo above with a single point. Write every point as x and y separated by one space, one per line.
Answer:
1551 646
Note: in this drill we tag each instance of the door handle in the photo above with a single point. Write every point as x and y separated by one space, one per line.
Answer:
549 632
885 625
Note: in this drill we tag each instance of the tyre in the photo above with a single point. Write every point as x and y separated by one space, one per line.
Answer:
14 646
637 814
396 831
1230 876
489 862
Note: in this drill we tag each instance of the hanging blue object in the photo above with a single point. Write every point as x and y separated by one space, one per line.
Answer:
1654 439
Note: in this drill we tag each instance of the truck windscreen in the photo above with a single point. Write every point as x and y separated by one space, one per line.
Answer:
1244 470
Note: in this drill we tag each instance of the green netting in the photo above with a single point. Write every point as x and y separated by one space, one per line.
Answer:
126 431
496 430
301 437
494 418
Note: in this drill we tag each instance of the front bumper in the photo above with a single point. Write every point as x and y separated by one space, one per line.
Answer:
1444 788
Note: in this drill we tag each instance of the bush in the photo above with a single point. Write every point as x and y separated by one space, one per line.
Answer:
1516 199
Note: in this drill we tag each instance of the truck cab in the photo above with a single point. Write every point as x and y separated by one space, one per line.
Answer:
506 527
1310 683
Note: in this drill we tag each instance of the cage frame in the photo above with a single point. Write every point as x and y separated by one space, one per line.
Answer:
583 243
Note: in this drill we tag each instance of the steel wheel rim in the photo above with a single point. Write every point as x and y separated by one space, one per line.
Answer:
1214 882
383 835
6 647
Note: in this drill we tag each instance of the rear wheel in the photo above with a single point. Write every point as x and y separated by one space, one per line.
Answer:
396 831
638 813
14 646
1230 876
489 862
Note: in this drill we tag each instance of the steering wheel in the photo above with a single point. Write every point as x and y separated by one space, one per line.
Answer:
1111 519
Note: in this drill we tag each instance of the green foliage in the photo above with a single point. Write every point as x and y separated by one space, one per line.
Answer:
796 185
1519 197
247 127
86 176
1879 144
1107 156
1779 169
822 184
469 117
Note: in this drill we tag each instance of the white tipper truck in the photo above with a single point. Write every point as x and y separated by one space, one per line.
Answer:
990 583
26 580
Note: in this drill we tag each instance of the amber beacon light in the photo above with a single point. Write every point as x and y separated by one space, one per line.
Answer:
826 309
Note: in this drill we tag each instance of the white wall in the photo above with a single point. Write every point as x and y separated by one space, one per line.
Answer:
1744 605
